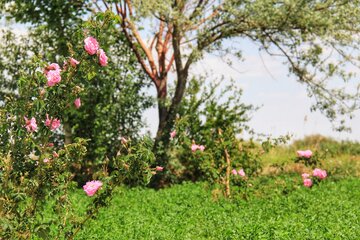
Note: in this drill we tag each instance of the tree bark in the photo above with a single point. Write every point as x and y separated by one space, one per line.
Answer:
68 133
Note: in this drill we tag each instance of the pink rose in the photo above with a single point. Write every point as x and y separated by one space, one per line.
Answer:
53 77
307 182
91 45
241 172
52 67
319 173
234 172
102 58
30 125
52 123
159 169
91 187
194 147
77 103
201 148
73 62
46 160
173 134
305 154
305 175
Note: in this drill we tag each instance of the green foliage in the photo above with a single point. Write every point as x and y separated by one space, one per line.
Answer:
327 211
205 112
331 146
215 117
133 161
315 160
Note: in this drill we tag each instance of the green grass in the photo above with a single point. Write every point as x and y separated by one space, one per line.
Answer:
327 211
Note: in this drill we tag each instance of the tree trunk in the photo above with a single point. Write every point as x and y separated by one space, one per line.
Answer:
167 118
68 134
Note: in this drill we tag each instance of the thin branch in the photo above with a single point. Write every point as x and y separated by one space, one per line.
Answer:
170 63
134 48
129 7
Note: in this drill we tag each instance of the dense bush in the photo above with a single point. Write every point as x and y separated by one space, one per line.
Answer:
207 143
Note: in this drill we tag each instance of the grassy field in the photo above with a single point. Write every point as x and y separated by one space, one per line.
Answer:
188 211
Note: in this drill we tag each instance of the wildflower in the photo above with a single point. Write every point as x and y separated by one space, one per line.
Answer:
46 160
234 172
91 187
91 45
30 125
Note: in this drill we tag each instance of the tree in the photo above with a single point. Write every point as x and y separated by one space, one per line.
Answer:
317 39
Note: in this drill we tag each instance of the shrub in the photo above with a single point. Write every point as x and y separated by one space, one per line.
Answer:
36 167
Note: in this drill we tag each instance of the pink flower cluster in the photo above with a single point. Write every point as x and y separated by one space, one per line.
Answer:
92 46
240 172
91 187
317 172
52 123
304 154
195 147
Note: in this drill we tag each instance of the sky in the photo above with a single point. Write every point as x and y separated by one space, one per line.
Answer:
284 104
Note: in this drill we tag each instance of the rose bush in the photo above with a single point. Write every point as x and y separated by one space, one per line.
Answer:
35 167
